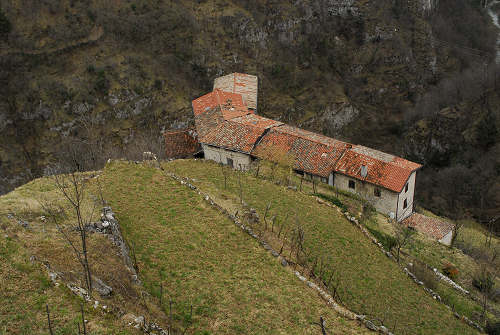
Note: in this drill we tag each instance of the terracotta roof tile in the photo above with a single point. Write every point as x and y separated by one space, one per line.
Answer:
233 136
181 143
241 83
231 104
312 153
257 121
384 169
431 227
223 119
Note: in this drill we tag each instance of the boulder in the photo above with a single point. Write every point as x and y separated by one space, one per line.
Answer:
101 288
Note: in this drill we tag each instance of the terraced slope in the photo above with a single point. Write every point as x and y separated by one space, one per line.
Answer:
202 259
370 283
25 287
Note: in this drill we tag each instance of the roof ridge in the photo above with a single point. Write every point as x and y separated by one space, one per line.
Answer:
312 140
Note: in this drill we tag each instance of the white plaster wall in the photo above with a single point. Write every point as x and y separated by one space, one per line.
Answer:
409 196
221 155
446 240
385 204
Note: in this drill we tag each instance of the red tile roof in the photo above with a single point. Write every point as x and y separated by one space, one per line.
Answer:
383 169
222 119
230 104
181 143
431 227
257 121
240 83
312 153
233 136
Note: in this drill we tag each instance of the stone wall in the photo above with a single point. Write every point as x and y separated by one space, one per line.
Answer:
219 155
388 202
385 204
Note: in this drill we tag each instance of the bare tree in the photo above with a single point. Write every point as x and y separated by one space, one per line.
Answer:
48 319
402 237
457 226
72 186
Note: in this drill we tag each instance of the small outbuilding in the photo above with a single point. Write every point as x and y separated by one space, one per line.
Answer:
439 230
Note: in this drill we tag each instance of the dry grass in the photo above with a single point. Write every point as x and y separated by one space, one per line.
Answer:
26 287
372 284
205 261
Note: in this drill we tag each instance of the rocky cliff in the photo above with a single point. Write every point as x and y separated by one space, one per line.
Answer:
117 70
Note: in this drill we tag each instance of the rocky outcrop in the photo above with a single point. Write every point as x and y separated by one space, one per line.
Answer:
110 223
336 116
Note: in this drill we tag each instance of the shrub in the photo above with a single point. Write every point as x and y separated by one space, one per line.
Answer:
483 280
102 83
333 200
492 328
425 275
5 25
388 241
495 296
450 271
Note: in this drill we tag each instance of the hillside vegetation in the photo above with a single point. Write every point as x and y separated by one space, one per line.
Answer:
205 261
366 281
106 73
214 278
31 247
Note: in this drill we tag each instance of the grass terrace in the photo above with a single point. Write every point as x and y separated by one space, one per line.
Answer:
369 283
197 257
25 287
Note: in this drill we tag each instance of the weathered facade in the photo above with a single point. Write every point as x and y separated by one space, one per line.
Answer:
231 133
240 83
234 159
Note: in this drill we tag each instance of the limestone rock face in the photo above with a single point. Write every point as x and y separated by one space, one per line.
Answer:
336 116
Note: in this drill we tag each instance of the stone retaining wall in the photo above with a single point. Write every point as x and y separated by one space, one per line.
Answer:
434 295
284 261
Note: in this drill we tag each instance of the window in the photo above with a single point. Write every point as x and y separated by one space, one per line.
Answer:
405 203
377 192
406 188
352 184
229 162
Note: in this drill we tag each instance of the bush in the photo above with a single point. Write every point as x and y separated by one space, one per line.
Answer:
333 200
484 281
388 241
425 275
492 328
5 25
450 271
102 83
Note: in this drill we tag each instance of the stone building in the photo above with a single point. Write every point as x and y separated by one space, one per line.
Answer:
230 132
434 228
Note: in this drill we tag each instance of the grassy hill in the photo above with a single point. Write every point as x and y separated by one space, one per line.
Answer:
204 260
370 283
201 258
26 288
198 269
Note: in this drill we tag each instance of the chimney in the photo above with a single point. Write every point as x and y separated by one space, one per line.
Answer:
364 171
